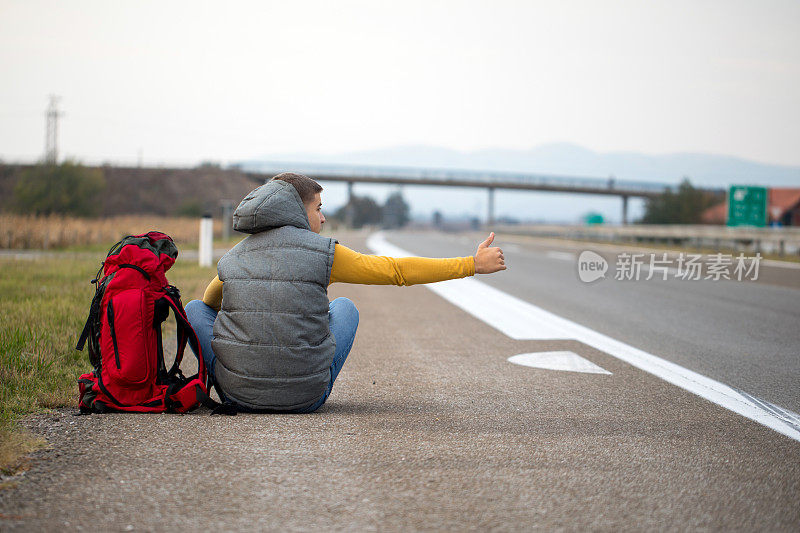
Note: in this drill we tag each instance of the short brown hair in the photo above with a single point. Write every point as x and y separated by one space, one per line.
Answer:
305 186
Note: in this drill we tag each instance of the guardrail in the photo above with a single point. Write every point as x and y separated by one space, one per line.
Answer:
780 240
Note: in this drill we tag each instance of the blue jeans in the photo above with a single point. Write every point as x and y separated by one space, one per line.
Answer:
342 316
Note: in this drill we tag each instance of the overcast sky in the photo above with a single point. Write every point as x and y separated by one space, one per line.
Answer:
190 81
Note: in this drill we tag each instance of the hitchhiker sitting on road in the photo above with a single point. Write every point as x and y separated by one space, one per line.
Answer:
278 344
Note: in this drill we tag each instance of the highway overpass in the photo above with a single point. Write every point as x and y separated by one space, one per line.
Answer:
490 181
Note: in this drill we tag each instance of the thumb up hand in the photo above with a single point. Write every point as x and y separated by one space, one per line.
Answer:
489 260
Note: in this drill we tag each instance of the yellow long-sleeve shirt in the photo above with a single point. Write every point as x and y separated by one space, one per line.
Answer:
350 266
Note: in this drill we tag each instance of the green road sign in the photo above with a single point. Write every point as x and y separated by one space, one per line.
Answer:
593 219
747 206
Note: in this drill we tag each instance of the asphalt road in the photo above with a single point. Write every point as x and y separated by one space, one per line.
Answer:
742 333
429 427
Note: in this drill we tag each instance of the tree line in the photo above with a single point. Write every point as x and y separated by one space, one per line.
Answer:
363 211
683 206
70 188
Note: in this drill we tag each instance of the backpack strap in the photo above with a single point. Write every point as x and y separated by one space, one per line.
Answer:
94 311
186 332
87 329
142 271
180 388
91 330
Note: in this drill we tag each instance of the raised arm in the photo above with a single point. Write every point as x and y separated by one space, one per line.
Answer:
350 266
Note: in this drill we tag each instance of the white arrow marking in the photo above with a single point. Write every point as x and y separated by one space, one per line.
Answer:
566 360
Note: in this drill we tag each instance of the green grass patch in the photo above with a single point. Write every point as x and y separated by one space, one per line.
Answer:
45 304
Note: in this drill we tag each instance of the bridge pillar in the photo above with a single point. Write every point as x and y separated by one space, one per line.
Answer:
624 210
349 215
490 218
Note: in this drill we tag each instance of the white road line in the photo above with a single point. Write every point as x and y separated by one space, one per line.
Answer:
521 320
565 256
780 264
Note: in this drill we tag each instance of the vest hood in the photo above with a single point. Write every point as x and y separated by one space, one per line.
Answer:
272 205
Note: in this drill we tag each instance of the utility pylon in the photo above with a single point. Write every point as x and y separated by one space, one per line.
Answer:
51 138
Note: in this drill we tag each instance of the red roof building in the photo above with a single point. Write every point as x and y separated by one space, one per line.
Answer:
784 206
717 214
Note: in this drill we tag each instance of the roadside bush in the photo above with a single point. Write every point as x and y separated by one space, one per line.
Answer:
365 211
65 189
191 207
395 211
685 206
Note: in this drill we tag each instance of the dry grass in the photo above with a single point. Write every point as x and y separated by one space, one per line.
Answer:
14 449
54 232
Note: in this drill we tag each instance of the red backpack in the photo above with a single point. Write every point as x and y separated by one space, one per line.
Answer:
131 301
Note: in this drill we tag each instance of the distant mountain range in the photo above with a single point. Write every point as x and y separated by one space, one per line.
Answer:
569 160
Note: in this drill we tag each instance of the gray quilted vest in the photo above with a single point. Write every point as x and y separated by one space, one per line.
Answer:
273 344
